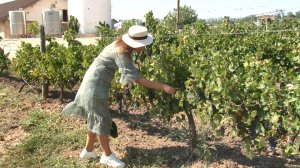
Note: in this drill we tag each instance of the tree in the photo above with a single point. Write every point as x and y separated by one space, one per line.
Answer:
151 22
291 15
74 24
187 16
297 14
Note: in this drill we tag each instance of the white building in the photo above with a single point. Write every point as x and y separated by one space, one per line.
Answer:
88 12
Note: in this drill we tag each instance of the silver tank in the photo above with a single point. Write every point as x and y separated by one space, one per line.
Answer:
51 21
17 22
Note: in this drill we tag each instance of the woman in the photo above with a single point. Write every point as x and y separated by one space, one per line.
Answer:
91 101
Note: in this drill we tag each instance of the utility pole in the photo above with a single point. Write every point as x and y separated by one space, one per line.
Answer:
177 17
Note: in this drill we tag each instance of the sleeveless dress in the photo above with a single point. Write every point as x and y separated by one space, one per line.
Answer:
91 101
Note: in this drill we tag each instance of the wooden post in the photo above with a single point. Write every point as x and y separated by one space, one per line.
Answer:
43 39
45 86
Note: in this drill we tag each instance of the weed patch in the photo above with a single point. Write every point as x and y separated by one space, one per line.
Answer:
49 135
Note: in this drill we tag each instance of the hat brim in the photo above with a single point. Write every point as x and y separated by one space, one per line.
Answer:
137 43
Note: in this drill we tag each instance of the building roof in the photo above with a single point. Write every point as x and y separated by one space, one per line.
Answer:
13 5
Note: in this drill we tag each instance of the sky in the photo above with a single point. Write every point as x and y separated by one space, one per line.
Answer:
136 9
205 9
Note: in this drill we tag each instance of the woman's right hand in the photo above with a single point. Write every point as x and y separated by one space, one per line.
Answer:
168 89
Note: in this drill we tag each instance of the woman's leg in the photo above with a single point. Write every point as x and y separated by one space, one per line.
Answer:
107 156
104 143
90 140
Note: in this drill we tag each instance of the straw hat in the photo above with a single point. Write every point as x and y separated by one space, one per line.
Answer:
137 36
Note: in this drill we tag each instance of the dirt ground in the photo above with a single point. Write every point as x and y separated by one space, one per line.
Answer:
137 133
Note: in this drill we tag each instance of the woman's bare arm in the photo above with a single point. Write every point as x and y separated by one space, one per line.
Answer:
156 85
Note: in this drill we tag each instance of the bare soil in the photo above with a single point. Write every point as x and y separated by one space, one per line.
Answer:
138 134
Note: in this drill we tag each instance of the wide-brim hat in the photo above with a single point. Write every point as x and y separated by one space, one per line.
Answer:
137 36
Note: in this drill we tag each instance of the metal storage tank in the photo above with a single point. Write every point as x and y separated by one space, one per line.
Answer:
51 21
17 22
89 13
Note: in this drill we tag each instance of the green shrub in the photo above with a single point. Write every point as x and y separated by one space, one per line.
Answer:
4 61
33 28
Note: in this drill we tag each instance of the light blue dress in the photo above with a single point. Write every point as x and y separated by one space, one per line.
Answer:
91 101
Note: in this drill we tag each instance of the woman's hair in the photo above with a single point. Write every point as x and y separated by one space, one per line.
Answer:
122 46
